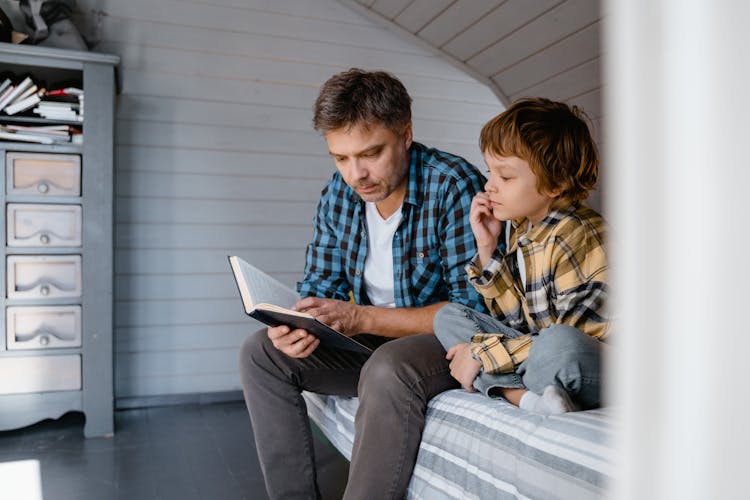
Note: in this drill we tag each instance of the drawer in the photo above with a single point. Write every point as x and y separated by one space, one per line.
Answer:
19 375
43 327
41 225
44 276
43 174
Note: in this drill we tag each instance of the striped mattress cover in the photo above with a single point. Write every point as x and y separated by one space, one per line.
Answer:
478 448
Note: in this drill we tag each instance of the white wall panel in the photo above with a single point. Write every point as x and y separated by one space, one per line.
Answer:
560 56
535 36
562 86
215 155
455 19
496 25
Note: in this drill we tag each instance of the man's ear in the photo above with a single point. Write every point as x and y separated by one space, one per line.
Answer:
408 137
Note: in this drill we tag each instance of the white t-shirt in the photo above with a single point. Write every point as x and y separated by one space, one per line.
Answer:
519 256
379 262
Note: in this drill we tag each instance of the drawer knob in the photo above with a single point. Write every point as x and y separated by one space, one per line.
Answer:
44 290
44 239
44 340
43 187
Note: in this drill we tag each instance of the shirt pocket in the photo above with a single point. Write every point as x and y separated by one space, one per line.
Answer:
427 271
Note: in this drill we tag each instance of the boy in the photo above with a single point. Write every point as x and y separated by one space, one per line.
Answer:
547 293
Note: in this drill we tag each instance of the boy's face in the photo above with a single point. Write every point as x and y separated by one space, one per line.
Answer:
512 189
373 161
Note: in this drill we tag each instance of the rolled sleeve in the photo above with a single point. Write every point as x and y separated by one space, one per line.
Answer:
489 350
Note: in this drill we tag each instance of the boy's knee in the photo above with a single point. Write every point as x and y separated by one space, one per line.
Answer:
565 356
562 341
447 311
449 324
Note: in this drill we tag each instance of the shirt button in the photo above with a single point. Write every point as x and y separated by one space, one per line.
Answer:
358 272
420 255
362 234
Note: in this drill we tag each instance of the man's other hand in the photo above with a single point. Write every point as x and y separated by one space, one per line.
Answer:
345 317
293 343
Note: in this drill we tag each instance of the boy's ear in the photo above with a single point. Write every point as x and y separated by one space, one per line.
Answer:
555 192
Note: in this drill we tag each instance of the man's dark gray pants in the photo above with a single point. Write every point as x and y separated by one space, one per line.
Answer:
394 386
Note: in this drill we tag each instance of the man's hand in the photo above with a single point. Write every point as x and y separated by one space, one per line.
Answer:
293 343
485 226
346 317
464 367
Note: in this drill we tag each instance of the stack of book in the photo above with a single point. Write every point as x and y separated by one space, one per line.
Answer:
38 105
42 134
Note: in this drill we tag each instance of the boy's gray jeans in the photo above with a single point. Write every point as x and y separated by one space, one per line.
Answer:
394 385
560 355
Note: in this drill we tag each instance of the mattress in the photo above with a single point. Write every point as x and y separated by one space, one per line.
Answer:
474 447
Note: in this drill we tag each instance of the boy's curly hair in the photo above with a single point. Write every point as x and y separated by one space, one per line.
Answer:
555 141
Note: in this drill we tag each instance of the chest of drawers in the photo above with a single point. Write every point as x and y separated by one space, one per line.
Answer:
56 308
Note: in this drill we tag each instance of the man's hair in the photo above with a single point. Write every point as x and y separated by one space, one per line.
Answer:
362 97
555 141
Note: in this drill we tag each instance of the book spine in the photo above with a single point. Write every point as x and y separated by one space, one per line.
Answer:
10 136
20 88
24 104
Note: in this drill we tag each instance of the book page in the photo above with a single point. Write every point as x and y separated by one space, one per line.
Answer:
284 310
261 287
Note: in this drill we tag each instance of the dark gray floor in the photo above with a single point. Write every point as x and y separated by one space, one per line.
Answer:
175 452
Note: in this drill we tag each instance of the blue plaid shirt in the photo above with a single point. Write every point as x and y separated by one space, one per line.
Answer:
431 246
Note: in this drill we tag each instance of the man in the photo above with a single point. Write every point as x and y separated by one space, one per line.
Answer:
391 229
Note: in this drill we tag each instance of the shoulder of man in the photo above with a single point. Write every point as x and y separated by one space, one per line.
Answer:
447 169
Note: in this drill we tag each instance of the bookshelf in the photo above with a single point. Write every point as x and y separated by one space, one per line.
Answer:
56 308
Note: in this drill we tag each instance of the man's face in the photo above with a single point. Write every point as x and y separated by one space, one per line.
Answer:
512 188
373 160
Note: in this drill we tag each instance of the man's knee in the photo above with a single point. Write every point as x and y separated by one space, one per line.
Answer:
383 368
391 368
253 351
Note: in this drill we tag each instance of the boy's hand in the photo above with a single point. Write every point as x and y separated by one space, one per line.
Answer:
485 226
464 367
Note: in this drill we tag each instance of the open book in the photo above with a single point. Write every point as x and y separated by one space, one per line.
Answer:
260 295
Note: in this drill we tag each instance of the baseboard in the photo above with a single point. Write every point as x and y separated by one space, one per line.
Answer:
177 399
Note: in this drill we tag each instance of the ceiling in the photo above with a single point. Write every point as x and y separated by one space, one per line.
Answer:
519 48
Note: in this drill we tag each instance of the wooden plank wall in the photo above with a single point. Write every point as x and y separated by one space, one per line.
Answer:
215 155
547 48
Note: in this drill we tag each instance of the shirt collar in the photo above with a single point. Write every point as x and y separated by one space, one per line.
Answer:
541 231
414 192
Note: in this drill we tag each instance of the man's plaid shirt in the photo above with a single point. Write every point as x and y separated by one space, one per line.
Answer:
566 278
431 246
